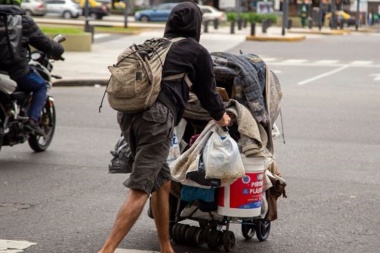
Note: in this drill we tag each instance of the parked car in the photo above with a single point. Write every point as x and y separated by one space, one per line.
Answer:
96 9
211 13
34 7
160 13
64 8
118 5
342 18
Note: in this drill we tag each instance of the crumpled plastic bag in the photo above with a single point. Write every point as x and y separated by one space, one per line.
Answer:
221 156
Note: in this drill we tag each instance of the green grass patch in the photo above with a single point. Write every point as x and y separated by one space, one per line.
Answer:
129 30
61 30
98 29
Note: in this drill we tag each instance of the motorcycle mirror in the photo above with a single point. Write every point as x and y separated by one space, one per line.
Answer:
35 56
59 38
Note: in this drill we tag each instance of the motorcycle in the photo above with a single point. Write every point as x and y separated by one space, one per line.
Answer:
14 106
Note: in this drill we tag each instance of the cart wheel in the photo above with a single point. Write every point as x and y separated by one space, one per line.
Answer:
248 229
228 240
175 233
190 235
205 232
182 233
198 236
262 229
214 239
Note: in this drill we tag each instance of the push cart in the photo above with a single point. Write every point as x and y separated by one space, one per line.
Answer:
247 80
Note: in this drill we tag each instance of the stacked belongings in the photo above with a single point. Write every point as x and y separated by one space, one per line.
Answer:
252 96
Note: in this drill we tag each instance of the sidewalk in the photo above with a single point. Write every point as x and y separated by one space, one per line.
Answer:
91 68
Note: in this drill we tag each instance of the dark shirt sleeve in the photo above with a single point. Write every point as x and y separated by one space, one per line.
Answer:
40 41
205 86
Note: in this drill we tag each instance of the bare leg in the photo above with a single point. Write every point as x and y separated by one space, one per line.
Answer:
126 218
160 208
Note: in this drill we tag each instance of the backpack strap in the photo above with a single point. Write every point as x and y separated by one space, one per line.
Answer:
180 76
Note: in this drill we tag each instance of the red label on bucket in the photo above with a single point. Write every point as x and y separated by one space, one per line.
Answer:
246 193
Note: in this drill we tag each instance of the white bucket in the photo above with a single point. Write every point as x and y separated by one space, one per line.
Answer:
244 196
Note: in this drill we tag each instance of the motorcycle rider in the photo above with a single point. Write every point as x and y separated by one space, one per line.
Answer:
27 78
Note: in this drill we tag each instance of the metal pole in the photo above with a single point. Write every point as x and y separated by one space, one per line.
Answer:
238 3
125 13
284 16
86 12
333 16
357 15
320 23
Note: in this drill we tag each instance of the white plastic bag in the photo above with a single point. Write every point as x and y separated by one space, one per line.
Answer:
174 151
221 156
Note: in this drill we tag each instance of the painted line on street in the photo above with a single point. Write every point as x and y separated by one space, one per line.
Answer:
134 251
327 62
10 246
323 75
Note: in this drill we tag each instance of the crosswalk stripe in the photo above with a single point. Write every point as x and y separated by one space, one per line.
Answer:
269 59
317 63
327 62
361 62
295 61
101 35
10 246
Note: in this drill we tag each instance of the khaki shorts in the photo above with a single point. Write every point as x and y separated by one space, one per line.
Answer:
149 135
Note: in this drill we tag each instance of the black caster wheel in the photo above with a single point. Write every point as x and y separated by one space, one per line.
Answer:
228 240
248 229
205 232
175 233
182 233
214 239
262 229
198 236
190 236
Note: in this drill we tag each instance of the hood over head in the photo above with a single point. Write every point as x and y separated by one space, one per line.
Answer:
185 20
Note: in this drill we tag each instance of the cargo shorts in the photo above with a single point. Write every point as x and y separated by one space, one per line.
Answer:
149 135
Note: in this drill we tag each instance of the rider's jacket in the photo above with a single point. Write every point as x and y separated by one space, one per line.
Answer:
33 36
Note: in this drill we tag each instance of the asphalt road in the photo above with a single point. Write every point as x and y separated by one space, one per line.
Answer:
64 200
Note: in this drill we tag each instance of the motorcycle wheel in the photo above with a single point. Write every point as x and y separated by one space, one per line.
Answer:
1 127
1 136
47 123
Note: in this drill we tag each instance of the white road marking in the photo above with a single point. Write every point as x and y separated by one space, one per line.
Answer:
323 75
269 59
326 62
101 35
294 61
377 77
9 246
361 63
322 63
134 251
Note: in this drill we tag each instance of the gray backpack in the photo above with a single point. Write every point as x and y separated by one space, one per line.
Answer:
135 81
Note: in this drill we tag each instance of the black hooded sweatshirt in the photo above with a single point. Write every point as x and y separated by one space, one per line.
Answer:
188 56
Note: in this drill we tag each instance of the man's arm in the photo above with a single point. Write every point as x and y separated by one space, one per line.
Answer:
39 40
205 88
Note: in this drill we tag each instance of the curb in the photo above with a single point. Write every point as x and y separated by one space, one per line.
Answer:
340 32
80 82
276 38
